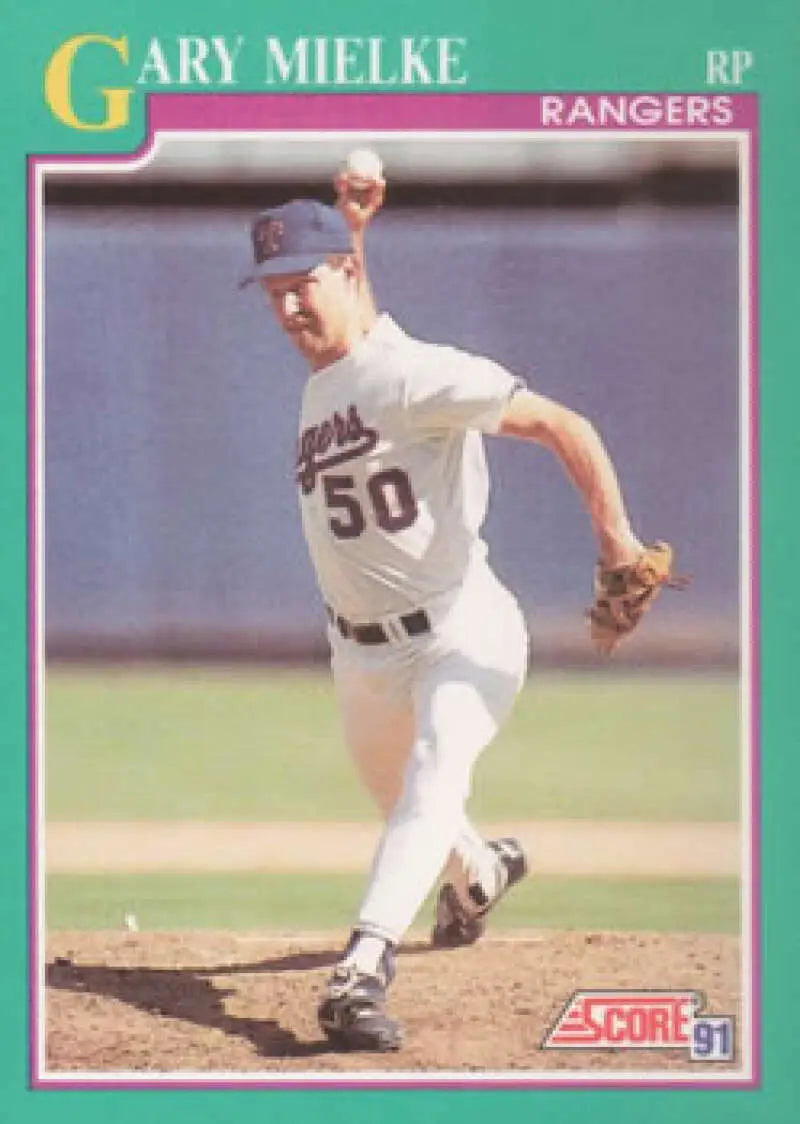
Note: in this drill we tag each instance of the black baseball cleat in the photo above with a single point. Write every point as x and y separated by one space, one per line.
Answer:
353 1014
455 925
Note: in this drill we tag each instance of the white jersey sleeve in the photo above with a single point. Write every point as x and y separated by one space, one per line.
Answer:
449 389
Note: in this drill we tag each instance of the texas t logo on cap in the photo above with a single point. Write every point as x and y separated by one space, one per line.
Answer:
297 237
267 237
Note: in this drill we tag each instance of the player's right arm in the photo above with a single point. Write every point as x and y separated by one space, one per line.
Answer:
359 208
577 445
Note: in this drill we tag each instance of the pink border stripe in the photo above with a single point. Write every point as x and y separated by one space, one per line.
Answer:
388 112
408 111
34 609
755 618
531 1084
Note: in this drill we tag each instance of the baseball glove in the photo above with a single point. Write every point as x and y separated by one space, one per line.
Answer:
623 594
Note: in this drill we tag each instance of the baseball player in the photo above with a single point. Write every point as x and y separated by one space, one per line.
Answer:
429 650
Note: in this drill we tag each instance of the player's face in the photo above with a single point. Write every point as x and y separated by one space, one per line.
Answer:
317 310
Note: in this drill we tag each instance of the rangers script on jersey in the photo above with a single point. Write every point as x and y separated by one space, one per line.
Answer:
391 471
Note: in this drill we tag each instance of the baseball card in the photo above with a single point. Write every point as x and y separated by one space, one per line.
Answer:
398 463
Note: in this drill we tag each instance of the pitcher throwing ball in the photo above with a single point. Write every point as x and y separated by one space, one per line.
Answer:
428 648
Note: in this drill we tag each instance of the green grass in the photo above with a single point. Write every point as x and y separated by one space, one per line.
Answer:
313 902
258 744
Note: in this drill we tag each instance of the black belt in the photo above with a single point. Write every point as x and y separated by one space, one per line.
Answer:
415 624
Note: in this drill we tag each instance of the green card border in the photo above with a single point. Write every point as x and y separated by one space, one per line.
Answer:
514 46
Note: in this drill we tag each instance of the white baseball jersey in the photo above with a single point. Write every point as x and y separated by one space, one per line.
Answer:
391 470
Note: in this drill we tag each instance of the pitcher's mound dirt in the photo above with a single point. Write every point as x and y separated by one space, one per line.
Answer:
224 1002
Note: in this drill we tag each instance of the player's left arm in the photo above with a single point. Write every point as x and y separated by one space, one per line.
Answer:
578 446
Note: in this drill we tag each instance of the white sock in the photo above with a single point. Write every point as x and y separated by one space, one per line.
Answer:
486 870
366 953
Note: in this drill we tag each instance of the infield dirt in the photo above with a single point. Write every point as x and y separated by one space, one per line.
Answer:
573 847
154 1003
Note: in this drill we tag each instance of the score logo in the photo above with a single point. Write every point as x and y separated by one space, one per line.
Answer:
652 1020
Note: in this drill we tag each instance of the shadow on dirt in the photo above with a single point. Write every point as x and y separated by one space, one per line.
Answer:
192 995
180 993
302 961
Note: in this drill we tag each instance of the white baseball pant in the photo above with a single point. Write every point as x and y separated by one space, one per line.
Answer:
416 716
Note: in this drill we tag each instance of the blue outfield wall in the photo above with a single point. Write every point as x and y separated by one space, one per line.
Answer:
171 406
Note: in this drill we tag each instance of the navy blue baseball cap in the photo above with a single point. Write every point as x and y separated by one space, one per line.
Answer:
296 237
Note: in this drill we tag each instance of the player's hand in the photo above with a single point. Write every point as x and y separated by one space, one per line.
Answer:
359 202
616 551
624 593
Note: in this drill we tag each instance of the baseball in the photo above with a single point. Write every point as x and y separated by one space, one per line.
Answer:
363 166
